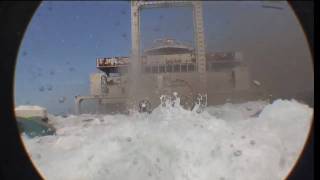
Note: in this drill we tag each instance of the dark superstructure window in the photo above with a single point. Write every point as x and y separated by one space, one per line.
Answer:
176 68
191 67
154 69
169 68
184 68
162 69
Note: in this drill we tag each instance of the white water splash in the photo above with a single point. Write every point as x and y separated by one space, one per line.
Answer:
232 141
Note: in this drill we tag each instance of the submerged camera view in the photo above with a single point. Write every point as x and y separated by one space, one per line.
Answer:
166 90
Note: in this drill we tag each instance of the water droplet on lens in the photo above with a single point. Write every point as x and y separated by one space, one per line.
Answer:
129 139
237 153
41 89
52 72
252 142
24 53
62 99
49 88
71 69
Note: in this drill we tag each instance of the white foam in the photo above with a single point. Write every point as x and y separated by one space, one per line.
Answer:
232 141
29 111
29 107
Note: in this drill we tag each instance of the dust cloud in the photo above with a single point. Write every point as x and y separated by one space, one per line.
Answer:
271 39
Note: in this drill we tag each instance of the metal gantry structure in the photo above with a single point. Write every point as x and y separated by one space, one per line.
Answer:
200 50
135 58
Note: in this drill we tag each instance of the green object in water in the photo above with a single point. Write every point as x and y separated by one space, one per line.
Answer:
34 126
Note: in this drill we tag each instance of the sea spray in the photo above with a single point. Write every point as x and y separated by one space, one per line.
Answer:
174 143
